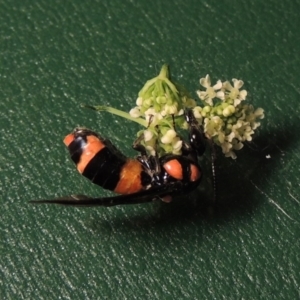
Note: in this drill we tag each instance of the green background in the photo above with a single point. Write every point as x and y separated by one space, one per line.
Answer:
56 55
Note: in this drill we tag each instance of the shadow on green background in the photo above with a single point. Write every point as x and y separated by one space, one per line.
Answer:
55 57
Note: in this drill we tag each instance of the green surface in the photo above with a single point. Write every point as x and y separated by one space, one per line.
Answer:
56 55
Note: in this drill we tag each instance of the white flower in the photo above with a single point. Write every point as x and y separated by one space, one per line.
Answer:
148 135
259 113
171 109
250 115
177 145
228 111
221 137
151 150
197 113
230 137
153 118
168 137
226 147
180 113
237 145
234 93
150 112
139 101
254 125
242 131
230 154
135 112
211 91
213 126
150 144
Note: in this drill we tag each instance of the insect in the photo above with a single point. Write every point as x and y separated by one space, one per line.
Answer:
138 180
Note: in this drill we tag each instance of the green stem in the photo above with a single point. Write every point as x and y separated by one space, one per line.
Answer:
164 72
117 112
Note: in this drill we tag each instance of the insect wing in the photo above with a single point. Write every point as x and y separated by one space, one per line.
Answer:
136 198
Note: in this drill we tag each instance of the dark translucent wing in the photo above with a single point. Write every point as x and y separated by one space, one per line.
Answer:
136 198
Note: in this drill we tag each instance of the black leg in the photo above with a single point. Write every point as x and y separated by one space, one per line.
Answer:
137 143
214 171
138 146
196 135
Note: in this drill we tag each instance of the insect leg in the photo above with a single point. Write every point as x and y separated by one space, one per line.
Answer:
196 135
138 146
214 170
137 143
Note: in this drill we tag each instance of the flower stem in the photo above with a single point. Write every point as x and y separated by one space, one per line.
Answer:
164 72
117 112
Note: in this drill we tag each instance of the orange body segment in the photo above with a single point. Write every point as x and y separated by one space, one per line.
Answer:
130 178
195 173
93 146
174 169
69 139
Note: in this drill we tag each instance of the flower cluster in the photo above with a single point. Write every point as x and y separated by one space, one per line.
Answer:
160 97
222 113
161 140
224 116
162 103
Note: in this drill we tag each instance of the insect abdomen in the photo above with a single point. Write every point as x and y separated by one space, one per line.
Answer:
98 160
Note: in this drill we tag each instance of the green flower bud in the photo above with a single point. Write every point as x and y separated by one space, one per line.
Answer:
206 109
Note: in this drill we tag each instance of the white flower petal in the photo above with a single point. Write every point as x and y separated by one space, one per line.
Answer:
230 137
218 85
135 112
243 94
139 101
255 125
237 83
230 154
181 112
259 113
237 102
209 101
201 94
227 86
205 81
151 150
221 137
150 112
177 145
238 146
165 139
148 135
220 95
172 133
197 112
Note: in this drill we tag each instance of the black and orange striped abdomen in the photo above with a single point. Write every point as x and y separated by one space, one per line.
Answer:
98 160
